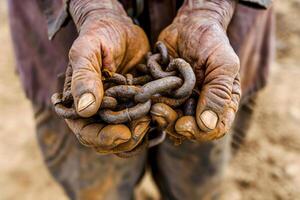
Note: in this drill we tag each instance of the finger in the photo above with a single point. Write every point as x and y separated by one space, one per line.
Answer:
113 135
138 142
188 127
86 86
92 134
163 115
138 129
229 115
236 92
216 95
85 130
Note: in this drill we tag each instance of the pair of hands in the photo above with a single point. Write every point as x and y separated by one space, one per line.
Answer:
108 40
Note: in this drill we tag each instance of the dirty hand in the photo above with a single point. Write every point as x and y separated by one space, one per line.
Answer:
117 138
108 40
198 35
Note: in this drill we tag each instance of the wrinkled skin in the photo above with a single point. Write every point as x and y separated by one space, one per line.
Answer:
198 35
164 118
108 41
109 138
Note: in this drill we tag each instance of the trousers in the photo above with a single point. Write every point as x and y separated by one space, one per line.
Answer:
188 171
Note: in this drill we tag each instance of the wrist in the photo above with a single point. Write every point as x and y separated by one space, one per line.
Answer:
220 11
84 12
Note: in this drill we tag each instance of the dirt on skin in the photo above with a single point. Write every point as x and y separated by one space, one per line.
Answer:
267 167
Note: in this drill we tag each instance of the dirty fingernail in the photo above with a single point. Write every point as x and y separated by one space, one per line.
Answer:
209 119
85 101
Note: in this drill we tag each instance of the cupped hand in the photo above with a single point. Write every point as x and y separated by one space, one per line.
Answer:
199 37
107 41
104 138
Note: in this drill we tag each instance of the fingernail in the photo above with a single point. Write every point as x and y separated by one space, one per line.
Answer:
209 119
85 101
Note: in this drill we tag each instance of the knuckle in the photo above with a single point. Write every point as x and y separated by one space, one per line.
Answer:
84 47
76 50
73 52
222 92
235 62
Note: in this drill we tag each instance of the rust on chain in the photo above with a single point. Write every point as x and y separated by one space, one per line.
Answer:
161 48
108 103
117 79
155 68
125 115
70 112
61 109
122 91
60 101
173 102
129 79
141 80
188 75
156 87
120 79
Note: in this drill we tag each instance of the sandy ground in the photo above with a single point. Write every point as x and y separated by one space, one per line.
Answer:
267 167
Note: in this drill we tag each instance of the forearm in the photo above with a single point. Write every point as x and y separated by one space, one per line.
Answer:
218 10
80 10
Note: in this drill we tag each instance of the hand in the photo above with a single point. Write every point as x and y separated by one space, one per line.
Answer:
198 35
107 41
110 138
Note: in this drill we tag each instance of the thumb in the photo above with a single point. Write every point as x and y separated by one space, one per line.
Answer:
215 100
86 86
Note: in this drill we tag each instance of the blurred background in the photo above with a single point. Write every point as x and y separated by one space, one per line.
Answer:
267 167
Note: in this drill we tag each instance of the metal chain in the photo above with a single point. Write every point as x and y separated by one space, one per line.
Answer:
163 80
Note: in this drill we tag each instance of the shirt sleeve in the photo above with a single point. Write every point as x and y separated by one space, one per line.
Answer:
257 3
56 13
